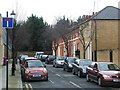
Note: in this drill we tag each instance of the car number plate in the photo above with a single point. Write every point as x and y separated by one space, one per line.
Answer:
36 75
116 80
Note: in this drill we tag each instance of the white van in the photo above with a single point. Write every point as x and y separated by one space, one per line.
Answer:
37 54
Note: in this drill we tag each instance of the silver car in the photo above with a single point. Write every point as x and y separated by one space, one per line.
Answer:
59 61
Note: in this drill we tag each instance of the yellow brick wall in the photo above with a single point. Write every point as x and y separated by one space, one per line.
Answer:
103 56
107 38
119 58
107 34
116 57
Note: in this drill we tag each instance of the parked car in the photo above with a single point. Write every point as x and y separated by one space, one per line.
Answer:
34 70
26 59
59 61
42 57
50 59
22 57
79 67
104 73
37 54
68 63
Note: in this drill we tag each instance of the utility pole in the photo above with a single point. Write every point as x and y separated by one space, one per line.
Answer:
13 61
7 56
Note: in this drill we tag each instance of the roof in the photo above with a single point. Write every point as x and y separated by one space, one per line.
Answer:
108 13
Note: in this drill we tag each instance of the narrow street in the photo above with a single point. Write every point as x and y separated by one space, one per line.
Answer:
59 79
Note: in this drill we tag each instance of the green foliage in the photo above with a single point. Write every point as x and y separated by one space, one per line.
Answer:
30 34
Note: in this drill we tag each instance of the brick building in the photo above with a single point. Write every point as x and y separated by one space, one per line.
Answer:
105 44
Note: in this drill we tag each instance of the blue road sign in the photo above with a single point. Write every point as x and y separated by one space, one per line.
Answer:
7 22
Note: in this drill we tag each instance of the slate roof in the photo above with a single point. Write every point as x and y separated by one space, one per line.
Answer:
108 13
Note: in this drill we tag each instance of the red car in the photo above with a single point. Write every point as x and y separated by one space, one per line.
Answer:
34 70
104 73
49 59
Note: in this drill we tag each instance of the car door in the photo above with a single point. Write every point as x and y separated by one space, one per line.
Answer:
65 63
76 66
95 72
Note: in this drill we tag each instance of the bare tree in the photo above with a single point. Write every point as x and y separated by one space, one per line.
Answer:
62 27
86 35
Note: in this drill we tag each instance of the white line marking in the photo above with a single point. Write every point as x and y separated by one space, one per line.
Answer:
26 85
30 86
68 75
51 81
51 71
75 84
58 75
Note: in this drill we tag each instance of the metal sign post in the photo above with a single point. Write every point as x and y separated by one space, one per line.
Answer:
7 23
7 58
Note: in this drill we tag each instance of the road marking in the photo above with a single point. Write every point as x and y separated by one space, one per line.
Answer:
30 87
26 85
68 75
51 81
58 75
75 85
51 71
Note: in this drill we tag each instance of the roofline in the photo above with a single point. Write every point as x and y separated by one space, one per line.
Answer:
92 18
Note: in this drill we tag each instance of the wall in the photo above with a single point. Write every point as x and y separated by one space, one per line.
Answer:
107 38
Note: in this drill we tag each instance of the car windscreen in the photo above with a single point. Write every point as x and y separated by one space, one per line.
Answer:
34 64
60 58
105 66
24 56
51 56
85 62
71 60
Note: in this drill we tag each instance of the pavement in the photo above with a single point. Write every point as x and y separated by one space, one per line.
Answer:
14 82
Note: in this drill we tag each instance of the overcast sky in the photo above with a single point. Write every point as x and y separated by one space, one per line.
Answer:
50 10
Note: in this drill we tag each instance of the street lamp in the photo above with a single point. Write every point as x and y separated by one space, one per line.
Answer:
13 62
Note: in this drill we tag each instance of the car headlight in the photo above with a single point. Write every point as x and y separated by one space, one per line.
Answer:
106 76
84 70
58 62
27 71
45 71
70 65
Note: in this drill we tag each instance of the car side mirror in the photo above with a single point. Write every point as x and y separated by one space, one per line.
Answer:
22 66
44 65
95 69
76 63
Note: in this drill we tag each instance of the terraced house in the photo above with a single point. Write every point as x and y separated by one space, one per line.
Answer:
101 37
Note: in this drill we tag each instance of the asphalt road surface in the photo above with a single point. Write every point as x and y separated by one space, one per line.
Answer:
59 79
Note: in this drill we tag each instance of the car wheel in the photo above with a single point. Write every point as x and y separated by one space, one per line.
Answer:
100 82
46 62
53 65
67 69
46 79
87 78
24 78
79 74
56 66
63 69
73 71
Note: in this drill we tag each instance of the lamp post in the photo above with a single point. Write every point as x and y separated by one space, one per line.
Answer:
7 55
13 61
